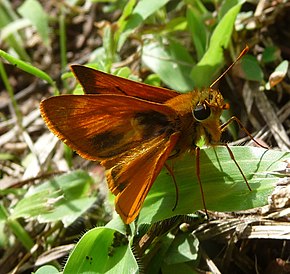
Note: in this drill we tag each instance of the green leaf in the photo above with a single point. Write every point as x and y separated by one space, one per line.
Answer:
140 13
158 260
118 225
223 185
163 61
270 54
47 269
153 80
278 75
282 67
175 24
184 248
227 5
251 68
180 269
208 67
33 205
102 250
146 8
13 27
198 30
27 67
7 157
63 198
134 18
32 10
14 40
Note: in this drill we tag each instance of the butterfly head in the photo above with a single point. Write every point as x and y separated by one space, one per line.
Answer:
207 112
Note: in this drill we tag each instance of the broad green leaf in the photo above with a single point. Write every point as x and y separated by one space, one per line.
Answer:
64 212
226 6
118 225
182 255
251 68
208 67
223 185
184 248
270 54
163 61
198 31
102 250
32 10
140 13
146 8
47 269
33 205
158 260
63 198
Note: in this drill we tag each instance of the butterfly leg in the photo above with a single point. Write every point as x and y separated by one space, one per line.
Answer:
236 163
234 118
175 184
223 128
197 161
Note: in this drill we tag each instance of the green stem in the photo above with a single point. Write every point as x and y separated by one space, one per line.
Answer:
17 229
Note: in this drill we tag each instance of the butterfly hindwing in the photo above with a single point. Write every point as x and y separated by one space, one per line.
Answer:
131 180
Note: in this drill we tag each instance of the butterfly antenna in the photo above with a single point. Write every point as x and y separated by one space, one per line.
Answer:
234 118
244 51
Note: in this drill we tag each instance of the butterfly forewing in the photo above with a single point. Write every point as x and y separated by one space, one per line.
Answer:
132 137
97 82
100 127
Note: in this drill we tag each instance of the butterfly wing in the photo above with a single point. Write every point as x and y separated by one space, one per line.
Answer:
100 127
131 180
97 82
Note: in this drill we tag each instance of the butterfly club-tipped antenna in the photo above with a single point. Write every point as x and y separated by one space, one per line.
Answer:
244 51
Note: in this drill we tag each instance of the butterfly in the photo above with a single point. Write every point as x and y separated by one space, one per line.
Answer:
133 128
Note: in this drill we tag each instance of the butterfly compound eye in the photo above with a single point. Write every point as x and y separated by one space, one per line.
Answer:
201 112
